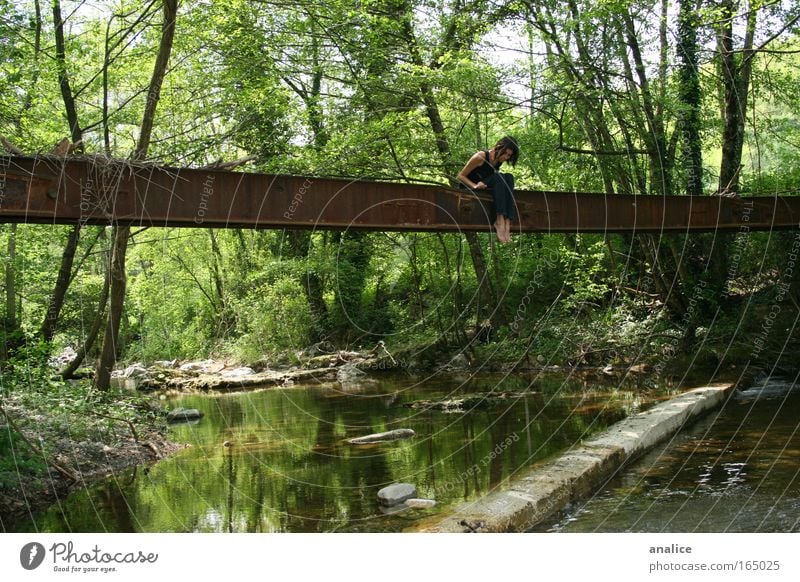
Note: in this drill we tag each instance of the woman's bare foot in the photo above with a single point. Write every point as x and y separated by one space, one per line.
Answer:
503 226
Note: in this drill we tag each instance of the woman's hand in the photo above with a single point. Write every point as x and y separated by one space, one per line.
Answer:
480 186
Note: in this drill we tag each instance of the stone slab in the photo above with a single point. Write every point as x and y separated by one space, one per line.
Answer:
541 491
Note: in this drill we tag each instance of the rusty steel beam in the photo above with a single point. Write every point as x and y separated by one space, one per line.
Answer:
56 190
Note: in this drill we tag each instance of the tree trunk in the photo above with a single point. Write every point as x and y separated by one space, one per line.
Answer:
63 280
50 323
300 246
10 323
655 136
94 331
224 320
690 99
122 233
353 258
11 280
108 354
735 73
157 80
736 82
487 297
63 77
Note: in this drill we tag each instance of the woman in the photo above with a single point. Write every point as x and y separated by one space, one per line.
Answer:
481 173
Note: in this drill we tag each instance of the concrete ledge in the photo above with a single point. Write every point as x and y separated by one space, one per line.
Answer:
541 491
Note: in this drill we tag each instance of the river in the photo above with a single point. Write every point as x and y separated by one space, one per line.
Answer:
277 460
736 470
288 467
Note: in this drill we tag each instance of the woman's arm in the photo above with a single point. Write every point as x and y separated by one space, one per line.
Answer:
474 162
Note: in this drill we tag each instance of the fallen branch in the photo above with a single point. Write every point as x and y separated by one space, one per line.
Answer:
117 419
153 448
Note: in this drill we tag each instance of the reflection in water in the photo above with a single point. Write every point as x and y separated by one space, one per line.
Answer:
734 471
288 466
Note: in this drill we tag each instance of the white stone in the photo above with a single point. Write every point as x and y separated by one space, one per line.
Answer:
135 371
396 493
420 503
238 372
392 435
199 366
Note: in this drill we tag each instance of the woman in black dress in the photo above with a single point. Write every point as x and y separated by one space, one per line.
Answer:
481 173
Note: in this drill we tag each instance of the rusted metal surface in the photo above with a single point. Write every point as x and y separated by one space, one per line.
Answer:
98 191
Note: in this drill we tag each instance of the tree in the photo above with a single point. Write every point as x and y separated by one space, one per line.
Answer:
122 233
690 98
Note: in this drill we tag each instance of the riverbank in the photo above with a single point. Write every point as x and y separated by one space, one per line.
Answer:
57 438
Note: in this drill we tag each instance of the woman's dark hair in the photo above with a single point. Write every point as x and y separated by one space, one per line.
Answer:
508 143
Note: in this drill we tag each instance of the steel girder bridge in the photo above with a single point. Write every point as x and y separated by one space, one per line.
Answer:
95 190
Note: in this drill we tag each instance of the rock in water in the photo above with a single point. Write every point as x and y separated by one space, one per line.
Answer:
182 414
420 503
348 374
392 435
396 494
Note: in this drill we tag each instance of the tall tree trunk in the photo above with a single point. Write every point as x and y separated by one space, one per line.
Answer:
64 277
735 74
37 47
108 353
300 240
655 136
487 298
353 258
10 322
217 271
122 233
11 280
63 280
75 131
735 69
690 99
157 80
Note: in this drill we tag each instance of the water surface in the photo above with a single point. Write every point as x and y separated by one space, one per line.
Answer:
736 470
288 467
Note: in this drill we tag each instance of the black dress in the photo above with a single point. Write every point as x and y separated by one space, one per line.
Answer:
501 186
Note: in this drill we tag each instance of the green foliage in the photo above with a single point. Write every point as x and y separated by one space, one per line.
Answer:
391 90
16 459
585 272
273 318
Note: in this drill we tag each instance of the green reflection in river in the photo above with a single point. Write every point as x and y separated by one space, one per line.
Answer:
289 468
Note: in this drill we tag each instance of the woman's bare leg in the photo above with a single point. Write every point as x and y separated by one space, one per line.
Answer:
506 229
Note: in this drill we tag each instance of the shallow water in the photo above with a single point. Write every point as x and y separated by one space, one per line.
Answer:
737 470
289 468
